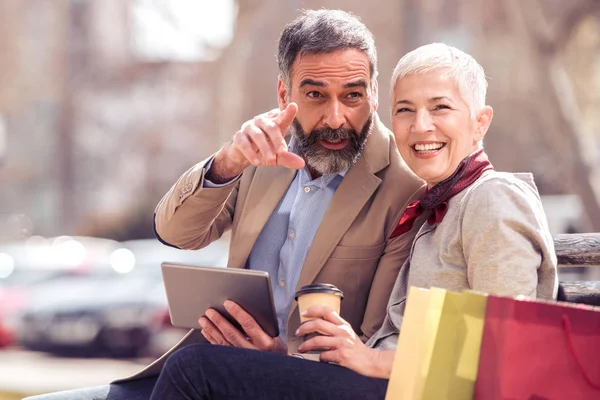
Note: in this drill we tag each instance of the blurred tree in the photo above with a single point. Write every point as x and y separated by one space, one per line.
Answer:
96 136
546 32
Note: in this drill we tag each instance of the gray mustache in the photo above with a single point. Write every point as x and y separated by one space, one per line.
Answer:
332 134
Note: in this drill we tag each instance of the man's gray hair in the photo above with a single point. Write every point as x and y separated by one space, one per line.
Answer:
460 66
323 32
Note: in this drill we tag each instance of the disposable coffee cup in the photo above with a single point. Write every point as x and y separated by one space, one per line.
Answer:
317 294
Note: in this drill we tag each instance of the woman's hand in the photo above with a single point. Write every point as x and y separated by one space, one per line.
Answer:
341 345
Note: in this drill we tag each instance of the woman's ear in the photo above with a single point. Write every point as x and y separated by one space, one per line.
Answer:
282 93
482 123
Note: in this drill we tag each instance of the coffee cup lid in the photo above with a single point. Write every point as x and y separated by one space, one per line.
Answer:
319 288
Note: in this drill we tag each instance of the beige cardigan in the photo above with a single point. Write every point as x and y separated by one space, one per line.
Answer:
494 239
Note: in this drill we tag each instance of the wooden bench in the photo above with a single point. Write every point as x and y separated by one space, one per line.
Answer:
578 250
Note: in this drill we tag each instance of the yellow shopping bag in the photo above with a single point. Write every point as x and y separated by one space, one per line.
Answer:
468 345
409 353
454 337
438 349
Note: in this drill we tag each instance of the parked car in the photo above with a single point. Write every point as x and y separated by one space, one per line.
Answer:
123 314
26 264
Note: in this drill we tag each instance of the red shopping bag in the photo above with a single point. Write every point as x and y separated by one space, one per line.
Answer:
539 350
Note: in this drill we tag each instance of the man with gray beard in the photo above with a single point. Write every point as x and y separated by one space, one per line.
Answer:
311 192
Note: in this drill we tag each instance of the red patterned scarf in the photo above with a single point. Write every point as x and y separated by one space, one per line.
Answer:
436 199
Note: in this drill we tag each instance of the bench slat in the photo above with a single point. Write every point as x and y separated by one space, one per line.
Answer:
585 292
581 249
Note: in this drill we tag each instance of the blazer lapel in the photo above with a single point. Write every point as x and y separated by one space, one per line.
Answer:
352 194
266 191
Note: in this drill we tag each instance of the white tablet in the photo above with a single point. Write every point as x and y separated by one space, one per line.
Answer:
191 290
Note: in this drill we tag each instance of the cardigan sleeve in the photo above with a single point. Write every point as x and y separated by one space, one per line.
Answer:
506 241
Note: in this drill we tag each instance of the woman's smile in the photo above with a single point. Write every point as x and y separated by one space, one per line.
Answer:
428 149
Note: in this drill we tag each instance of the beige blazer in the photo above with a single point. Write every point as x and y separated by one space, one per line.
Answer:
350 249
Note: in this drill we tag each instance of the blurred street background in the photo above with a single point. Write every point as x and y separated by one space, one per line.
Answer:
104 103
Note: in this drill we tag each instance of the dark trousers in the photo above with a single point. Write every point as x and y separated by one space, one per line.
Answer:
216 372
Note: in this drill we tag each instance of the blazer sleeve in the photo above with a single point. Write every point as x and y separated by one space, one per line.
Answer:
506 242
191 216
396 251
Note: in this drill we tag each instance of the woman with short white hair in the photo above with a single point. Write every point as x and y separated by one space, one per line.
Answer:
482 229
485 230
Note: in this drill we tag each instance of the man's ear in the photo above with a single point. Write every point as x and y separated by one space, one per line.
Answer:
482 123
282 93
375 94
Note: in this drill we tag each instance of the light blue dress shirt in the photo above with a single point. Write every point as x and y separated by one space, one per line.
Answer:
282 245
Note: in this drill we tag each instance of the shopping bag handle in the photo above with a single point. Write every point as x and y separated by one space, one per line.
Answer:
567 323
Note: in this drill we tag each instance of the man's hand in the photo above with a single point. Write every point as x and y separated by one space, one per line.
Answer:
342 345
259 142
217 330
